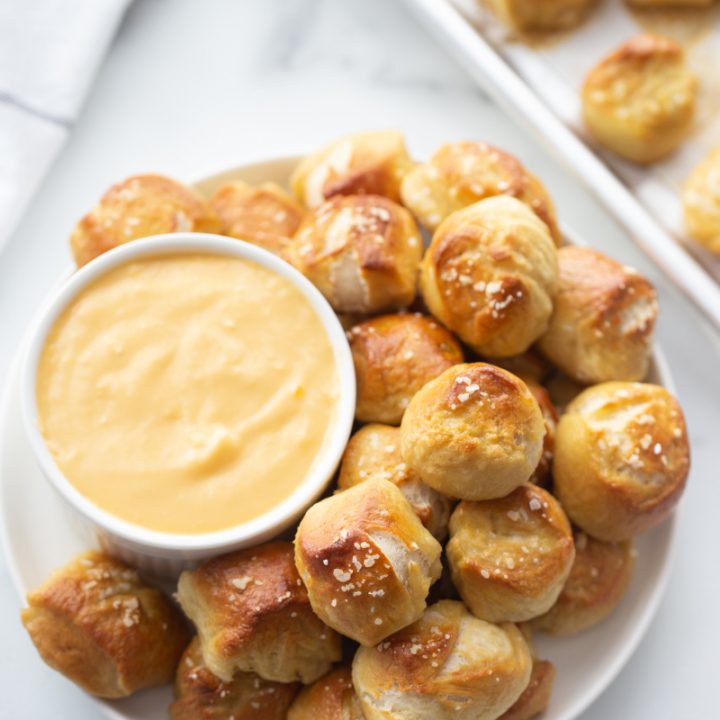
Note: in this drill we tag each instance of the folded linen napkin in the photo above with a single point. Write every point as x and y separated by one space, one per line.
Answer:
50 51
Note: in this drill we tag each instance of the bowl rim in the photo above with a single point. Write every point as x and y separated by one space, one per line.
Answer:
253 531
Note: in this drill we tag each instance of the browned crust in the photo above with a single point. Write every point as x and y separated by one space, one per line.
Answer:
592 336
543 472
271 576
603 287
639 100
394 356
389 225
505 173
617 483
98 624
378 240
640 48
377 162
489 275
541 16
530 366
367 181
463 173
353 584
201 695
492 553
374 452
332 697
489 317
701 202
244 601
536 697
597 583
139 206
403 658
413 662
494 382
474 433
264 215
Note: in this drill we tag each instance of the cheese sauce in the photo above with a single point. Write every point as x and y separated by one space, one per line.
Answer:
188 393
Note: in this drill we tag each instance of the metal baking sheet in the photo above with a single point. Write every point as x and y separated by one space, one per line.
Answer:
538 79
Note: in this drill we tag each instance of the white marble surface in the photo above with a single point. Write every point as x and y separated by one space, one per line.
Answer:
190 87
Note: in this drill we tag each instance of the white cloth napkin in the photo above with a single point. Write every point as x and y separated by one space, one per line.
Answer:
50 51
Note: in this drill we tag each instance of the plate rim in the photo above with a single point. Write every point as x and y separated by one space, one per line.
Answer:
611 670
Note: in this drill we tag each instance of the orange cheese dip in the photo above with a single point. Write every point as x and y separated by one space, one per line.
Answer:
188 393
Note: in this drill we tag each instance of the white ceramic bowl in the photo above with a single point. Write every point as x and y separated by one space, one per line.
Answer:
167 553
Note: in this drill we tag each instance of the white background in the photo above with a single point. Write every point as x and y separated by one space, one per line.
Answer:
190 87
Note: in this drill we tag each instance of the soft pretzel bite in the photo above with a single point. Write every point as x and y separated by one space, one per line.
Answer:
621 459
490 275
598 580
460 174
448 665
474 433
394 356
201 695
367 561
140 206
639 101
365 163
252 614
374 452
361 251
510 557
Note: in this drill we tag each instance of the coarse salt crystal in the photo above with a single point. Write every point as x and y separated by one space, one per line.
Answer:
241 583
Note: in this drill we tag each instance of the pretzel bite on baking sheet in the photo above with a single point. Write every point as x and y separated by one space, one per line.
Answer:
701 202
541 15
639 101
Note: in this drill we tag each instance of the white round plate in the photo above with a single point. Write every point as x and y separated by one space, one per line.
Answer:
38 538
